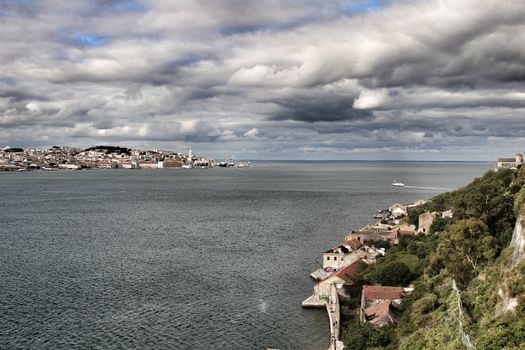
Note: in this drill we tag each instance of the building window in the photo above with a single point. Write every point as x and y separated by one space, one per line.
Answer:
327 258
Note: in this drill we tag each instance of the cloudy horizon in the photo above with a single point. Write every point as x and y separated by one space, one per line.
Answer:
287 79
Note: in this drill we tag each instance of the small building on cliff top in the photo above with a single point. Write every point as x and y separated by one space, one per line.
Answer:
510 163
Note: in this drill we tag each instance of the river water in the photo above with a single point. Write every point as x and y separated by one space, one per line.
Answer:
186 259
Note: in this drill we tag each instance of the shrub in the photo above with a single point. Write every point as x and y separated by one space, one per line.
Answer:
357 336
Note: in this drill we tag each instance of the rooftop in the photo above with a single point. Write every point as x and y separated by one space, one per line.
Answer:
383 313
371 293
346 247
348 273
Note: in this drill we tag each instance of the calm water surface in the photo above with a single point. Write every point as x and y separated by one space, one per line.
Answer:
185 259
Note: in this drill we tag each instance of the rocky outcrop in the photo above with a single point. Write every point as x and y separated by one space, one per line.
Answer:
517 243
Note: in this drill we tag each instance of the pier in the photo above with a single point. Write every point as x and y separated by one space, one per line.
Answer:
334 315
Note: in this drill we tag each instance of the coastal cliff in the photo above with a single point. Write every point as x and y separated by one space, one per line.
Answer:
507 302
468 274
517 244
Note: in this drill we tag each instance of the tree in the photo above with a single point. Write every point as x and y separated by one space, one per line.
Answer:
394 273
439 224
465 247
413 215
357 336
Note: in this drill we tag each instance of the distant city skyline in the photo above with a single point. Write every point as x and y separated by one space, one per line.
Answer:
288 79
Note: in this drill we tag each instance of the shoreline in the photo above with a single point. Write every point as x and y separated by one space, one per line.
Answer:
332 278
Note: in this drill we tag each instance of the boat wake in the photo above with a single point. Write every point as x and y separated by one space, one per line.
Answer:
430 188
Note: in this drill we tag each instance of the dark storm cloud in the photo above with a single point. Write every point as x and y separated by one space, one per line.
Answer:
312 110
15 95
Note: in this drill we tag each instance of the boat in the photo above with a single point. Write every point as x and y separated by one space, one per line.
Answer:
242 165
398 184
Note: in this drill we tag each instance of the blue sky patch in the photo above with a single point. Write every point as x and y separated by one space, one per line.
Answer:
362 6
91 39
122 6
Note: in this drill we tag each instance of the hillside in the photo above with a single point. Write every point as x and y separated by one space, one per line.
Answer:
469 273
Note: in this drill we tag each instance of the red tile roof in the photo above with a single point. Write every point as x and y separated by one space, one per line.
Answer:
348 273
354 235
393 234
382 313
378 310
353 243
372 293
397 233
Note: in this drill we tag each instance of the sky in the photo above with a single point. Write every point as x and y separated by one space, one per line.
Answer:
267 79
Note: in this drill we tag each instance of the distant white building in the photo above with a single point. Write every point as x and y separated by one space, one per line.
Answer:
447 214
398 209
149 165
69 166
416 204
510 163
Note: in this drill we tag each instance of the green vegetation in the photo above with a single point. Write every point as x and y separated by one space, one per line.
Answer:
357 336
393 273
439 225
465 248
403 263
470 249
413 215
378 243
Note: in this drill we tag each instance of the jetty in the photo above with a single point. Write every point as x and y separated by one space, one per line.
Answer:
331 303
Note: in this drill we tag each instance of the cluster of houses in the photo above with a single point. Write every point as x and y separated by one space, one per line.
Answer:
380 305
392 223
101 157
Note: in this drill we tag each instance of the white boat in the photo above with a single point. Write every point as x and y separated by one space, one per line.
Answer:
398 184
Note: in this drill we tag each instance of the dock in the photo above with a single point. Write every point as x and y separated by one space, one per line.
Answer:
312 302
334 315
319 275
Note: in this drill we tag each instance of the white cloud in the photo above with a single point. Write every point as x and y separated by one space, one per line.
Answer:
371 99
252 132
